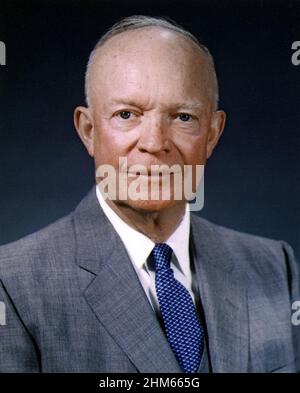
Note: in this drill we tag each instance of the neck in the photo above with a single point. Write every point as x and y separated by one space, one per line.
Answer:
158 225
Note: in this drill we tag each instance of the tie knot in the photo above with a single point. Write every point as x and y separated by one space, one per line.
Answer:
162 255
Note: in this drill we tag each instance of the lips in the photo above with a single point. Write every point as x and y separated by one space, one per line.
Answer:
154 172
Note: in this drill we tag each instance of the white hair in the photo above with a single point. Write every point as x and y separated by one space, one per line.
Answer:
140 21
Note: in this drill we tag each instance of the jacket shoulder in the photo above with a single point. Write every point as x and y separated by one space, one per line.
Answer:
257 256
38 248
233 236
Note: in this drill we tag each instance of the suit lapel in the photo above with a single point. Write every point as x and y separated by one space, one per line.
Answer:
115 295
223 299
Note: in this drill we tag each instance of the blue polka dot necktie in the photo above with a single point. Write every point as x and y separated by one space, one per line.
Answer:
183 329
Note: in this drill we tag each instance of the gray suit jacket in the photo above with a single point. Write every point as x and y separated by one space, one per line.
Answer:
73 302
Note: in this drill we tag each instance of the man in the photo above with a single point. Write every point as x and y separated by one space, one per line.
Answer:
142 285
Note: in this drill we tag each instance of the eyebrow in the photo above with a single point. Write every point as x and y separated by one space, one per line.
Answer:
179 105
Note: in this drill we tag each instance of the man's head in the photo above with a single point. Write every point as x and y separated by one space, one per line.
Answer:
152 97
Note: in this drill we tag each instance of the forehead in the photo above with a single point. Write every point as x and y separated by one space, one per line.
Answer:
149 58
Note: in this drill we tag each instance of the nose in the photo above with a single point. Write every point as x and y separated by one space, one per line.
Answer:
154 137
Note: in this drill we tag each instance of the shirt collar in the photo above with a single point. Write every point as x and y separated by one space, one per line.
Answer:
139 246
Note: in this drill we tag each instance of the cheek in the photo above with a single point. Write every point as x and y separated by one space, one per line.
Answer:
110 144
193 149
105 148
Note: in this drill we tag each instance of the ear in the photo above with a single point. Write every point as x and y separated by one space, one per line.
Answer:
216 128
84 125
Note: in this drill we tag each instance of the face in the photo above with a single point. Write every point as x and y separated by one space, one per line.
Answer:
151 102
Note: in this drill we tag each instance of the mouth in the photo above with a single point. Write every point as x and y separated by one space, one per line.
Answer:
156 177
153 173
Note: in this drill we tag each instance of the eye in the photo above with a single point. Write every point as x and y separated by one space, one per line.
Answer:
185 117
125 114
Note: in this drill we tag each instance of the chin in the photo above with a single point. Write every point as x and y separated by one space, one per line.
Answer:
151 206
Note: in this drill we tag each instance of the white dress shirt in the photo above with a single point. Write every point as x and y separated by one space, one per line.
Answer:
139 248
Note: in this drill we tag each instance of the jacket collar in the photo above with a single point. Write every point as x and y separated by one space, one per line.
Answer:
223 297
115 294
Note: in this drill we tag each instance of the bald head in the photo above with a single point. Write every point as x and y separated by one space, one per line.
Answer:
143 39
